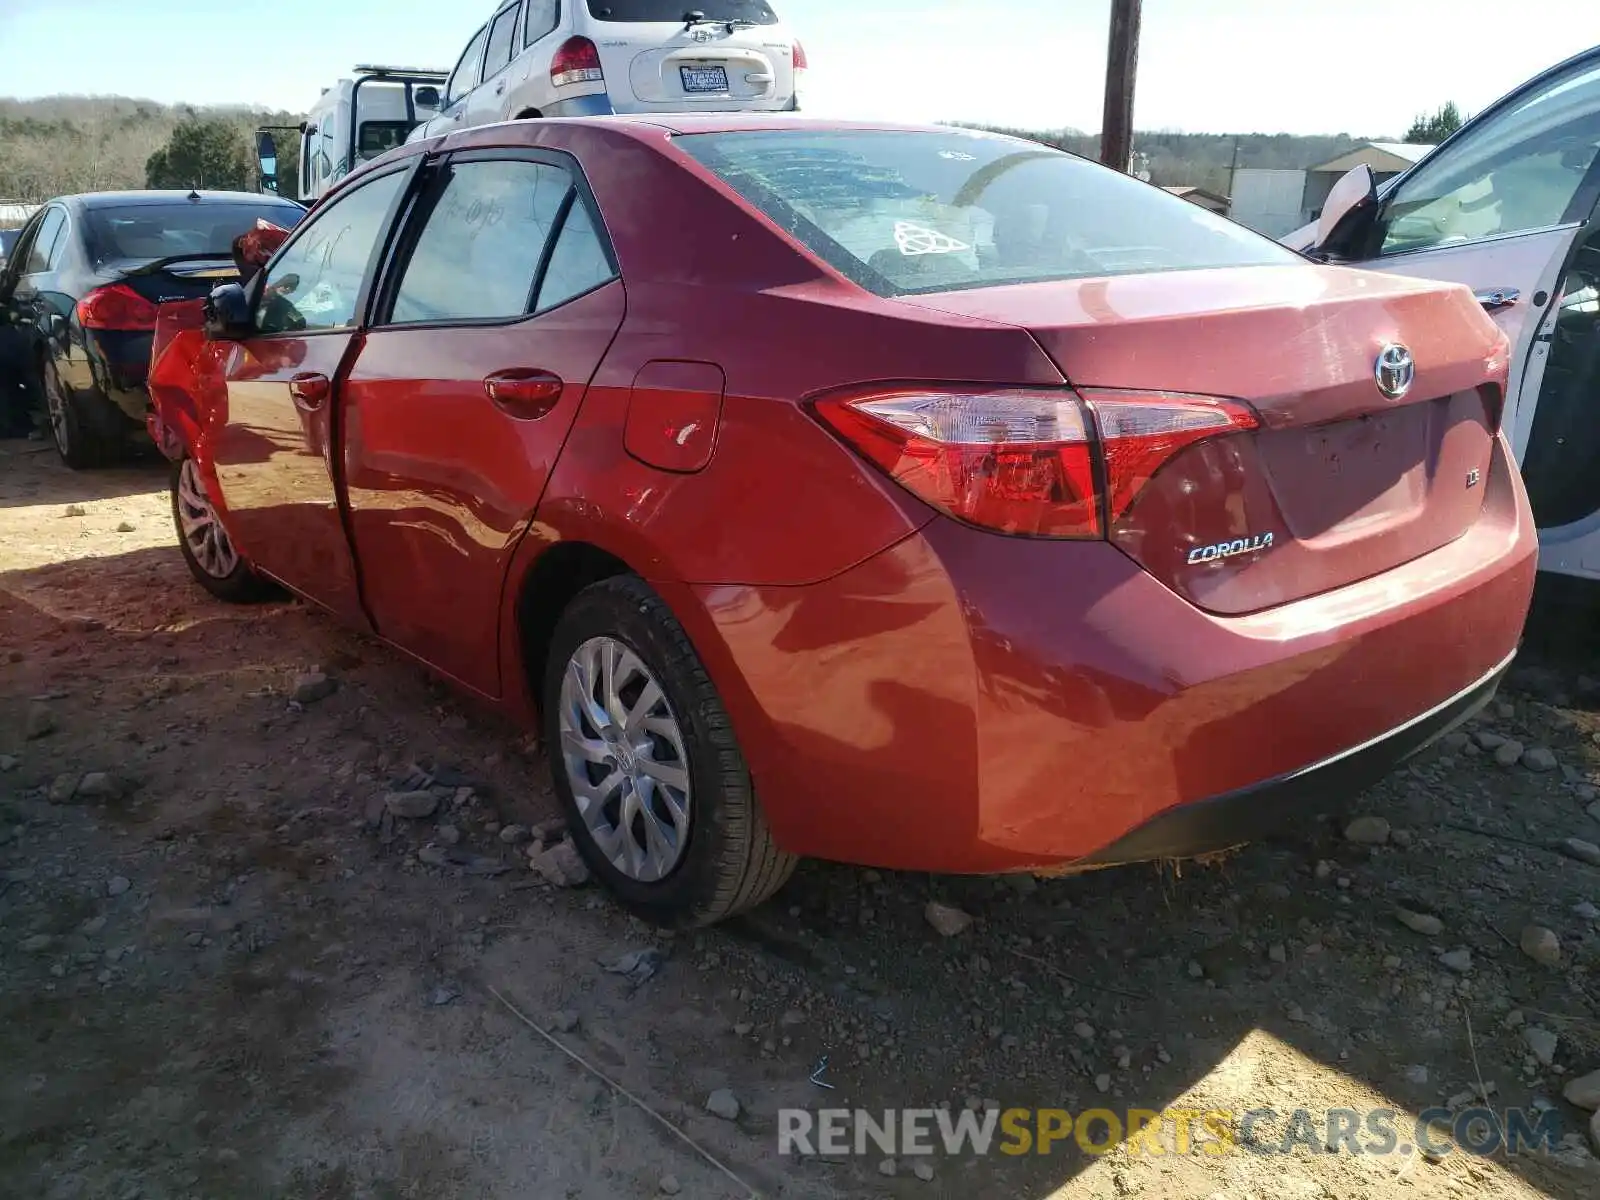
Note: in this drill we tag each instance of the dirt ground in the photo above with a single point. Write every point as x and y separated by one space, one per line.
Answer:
223 973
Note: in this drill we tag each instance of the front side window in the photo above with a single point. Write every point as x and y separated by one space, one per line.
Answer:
44 241
1517 171
315 283
903 212
480 249
502 38
742 12
467 74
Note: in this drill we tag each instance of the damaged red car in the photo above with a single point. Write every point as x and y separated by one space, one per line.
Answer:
911 497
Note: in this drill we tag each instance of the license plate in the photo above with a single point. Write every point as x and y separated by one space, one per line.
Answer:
704 79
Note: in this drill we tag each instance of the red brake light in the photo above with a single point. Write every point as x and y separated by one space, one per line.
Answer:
799 56
1028 462
116 306
577 60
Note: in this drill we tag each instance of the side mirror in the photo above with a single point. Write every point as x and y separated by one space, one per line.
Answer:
1349 202
267 159
426 97
228 314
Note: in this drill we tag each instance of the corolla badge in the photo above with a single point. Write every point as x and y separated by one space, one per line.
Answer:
1394 371
1220 550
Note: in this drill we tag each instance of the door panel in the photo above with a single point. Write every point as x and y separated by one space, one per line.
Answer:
275 465
441 480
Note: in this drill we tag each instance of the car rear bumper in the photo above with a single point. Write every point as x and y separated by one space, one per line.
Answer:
971 702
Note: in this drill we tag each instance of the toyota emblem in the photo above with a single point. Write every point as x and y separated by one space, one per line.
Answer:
1395 371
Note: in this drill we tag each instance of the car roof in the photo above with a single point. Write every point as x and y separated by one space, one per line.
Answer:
744 122
126 199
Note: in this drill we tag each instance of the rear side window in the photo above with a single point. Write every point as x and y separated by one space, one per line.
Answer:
746 12
902 212
315 282
502 35
41 253
543 17
483 244
150 231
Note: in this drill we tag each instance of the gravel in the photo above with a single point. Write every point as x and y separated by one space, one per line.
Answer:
723 1103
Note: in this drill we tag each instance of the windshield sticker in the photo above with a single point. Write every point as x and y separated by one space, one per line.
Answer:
915 239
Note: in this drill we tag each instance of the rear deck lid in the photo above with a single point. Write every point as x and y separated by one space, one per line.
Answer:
737 55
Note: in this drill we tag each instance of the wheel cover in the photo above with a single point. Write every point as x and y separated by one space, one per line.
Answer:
56 405
207 540
623 753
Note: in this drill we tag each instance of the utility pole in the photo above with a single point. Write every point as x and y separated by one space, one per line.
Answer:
1122 61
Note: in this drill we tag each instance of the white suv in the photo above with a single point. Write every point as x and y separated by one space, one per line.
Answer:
565 58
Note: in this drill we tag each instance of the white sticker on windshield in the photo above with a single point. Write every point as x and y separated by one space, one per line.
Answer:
918 239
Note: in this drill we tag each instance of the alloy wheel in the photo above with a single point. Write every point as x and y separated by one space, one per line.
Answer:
207 540
56 406
624 756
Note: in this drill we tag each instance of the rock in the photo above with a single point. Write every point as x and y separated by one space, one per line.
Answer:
886 1167
434 856
923 1170
1401 837
118 885
742 1028
94 926
75 510
562 865
1542 1042
791 1018
40 721
1084 1030
1367 831
515 835
1417 1074
100 785
1102 1082
1586 910
723 1103
449 835
637 966
37 943
413 806
1594 811
1514 1019
1277 953
1508 754
442 995
1581 850
1584 1091
8 762
1541 945
1196 971
63 788
126 526
564 1021
548 831
946 920
1537 758
1459 960
669 1185
1423 923
310 688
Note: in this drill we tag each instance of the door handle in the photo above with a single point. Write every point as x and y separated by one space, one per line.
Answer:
523 392
500 88
309 391
1493 298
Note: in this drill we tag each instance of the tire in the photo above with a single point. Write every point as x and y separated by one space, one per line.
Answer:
213 561
78 445
725 859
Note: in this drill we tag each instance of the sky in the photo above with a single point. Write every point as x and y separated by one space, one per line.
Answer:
1364 67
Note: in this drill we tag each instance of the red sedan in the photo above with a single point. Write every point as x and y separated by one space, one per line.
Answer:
912 497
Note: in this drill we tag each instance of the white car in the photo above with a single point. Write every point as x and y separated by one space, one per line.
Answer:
1510 206
545 58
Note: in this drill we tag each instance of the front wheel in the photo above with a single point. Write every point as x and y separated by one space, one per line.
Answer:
206 546
645 763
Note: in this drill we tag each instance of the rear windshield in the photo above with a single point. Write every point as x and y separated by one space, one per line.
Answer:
901 212
745 12
182 227
380 137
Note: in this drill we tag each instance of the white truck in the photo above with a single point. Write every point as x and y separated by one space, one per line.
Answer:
354 120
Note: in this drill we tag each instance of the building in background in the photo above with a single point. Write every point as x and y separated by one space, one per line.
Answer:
1279 202
1209 201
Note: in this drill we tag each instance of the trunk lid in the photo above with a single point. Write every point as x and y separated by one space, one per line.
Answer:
1340 482
703 66
163 281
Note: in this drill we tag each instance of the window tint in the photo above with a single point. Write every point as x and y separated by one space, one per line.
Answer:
578 262
502 33
543 16
44 241
466 77
751 12
316 281
1518 170
479 251
902 212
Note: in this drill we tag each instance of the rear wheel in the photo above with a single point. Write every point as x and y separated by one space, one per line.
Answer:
78 445
646 766
210 553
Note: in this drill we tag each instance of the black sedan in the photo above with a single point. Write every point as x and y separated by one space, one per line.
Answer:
78 299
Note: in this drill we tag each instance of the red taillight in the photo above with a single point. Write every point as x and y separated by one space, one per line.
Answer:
799 56
576 61
1027 462
116 306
